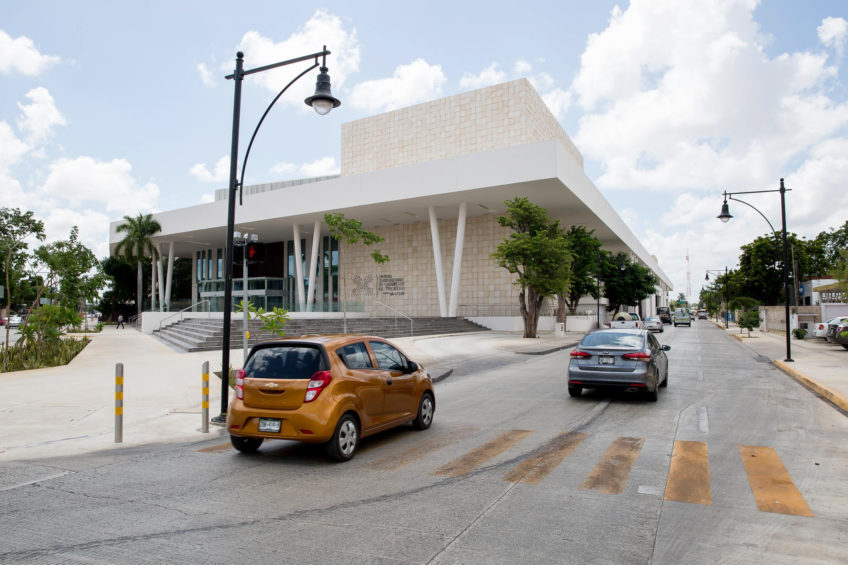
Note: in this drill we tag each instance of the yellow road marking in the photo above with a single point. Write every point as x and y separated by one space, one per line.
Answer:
612 471
216 448
689 474
420 449
480 455
534 469
771 484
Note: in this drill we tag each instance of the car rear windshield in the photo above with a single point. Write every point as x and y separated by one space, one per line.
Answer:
613 339
285 362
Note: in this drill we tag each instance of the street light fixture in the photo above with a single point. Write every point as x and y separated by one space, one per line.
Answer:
726 301
725 216
322 101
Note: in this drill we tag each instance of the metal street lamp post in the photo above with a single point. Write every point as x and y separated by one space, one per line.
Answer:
322 102
725 217
726 301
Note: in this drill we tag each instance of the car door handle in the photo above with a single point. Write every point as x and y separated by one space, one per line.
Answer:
389 382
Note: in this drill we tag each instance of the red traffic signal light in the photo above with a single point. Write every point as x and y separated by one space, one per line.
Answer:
254 252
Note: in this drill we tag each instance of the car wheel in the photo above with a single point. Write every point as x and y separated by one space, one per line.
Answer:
345 439
246 444
843 345
426 407
654 394
665 382
575 391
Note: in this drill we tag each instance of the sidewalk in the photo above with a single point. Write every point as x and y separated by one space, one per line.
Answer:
820 366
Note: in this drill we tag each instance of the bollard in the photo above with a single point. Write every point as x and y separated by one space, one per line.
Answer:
205 399
119 402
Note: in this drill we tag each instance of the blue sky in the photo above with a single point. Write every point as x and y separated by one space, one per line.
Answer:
114 108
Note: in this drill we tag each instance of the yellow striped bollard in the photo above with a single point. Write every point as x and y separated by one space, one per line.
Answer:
205 400
119 402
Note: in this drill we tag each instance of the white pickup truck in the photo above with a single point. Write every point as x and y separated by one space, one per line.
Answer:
629 320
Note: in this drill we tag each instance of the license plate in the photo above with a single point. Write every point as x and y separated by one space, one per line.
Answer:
606 360
269 425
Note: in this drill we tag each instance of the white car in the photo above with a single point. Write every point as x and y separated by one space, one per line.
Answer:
14 321
653 323
820 329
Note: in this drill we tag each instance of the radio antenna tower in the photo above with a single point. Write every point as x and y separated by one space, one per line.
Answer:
688 282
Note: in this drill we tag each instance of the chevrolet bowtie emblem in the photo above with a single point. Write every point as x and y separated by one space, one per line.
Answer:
271 385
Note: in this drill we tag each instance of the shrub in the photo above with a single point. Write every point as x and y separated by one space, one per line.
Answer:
799 333
749 320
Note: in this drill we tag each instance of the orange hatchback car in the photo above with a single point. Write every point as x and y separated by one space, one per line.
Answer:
332 389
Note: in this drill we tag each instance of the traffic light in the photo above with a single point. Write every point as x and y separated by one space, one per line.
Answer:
238 254
254 252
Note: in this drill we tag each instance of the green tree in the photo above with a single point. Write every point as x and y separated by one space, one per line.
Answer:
351 232
748 320
538 252
15 228
834 241
73 269
627 282
137 244
585 261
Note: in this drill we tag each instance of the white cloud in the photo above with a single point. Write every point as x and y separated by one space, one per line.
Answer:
207 197
205 74
686 99
322 29
833 33
221 172
284 168
487 77
11 148
522 67
108 184
416 82
92 228
19 54
558 101
320 167
40 116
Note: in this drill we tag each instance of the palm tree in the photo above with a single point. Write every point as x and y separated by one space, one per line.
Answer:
137 243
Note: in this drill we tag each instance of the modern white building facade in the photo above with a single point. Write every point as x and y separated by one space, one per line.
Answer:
431 179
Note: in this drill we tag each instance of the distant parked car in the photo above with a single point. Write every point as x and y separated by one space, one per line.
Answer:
14 321
681 317
702 314
833 328
654 324
629 360
820 329
841 336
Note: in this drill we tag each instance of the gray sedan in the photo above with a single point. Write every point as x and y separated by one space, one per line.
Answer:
630 360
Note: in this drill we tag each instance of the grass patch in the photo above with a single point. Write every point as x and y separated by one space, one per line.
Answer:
49 354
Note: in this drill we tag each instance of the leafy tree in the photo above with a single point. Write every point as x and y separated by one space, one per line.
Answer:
749 320
627 282
15 228
760 266
136 244
585 261
120 295
73 270
538 252
834 241
351 232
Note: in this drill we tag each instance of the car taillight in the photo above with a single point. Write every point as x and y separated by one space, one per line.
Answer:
317 383
638 356
240 384
579 354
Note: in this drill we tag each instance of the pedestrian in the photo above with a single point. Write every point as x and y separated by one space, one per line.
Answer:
121 321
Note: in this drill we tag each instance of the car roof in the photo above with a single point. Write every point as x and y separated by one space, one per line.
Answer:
324 339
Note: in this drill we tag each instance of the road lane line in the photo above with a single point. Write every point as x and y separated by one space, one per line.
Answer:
480 455
612 471
689 474
703 420
700 375
533 469
771 484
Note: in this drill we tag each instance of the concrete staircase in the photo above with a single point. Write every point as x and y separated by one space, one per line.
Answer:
195 334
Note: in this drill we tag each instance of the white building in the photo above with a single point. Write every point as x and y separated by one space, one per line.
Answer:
431 179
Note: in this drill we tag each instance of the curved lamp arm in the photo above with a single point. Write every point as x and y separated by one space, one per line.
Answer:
758 212
268 109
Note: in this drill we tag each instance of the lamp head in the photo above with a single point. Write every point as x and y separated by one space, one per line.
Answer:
725 212
323 100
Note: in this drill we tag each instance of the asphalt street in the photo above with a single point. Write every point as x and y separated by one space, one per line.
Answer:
513 470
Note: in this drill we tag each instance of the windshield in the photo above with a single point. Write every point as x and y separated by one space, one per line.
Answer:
613 339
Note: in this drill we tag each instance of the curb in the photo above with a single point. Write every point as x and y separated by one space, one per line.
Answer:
546 351
839 401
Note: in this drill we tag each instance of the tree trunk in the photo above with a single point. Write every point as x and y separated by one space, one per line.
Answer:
561 306
530 302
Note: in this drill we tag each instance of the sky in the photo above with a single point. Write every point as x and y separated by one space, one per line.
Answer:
118 108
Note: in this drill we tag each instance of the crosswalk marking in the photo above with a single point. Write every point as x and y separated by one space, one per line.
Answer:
612 471
480 455
771 484
420 449
689 473
533 469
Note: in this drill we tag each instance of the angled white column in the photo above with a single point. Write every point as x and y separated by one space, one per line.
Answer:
313 265
437 257
170 275
153 281
298 267
457 259
160 278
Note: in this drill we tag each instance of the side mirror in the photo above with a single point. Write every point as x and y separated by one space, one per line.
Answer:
412 366
665 347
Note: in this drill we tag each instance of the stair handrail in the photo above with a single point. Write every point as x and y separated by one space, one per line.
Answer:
180 313
411 333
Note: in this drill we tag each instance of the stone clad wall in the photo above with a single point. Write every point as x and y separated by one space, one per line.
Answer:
409 278
490 118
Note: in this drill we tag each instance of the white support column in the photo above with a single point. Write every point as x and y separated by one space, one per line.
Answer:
313 265
437 257
170 275
160 278
457 259
153 281
298 267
